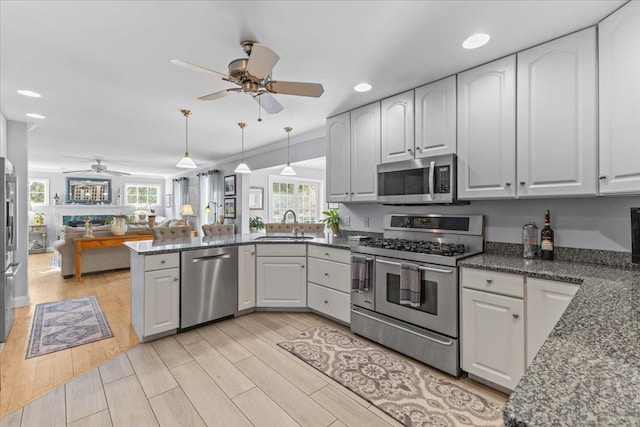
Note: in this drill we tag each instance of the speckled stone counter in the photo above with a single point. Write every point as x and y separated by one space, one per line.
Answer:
150 247
588 370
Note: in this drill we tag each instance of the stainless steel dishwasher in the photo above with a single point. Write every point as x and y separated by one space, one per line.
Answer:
209 285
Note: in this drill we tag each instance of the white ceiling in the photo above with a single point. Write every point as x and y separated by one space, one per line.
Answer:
109 91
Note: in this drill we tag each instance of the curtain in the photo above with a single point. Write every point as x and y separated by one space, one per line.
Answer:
180 194
208 191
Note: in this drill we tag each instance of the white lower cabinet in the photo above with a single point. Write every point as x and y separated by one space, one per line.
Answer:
281 279
329 279
546 301
498 340
246 277
493 337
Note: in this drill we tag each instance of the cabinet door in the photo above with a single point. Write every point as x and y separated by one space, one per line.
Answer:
546 301
557 117
246 277
493 337
397 140
281 281
161 300
338 151
487 131
365 152
436 118
619 59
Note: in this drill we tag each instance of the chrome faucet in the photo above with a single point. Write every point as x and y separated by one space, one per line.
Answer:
295 221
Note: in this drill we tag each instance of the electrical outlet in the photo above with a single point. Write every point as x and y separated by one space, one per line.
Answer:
365 222
346 221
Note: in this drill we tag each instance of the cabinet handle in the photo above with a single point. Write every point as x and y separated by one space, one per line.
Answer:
508 183
409 150
418 148
521 182
302 266
516 315
163 262
326 274
326 302
253 253
489 281
326 254
175 279
602 177
346 193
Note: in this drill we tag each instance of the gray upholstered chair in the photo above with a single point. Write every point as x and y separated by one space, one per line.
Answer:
218 229
171 233
277 227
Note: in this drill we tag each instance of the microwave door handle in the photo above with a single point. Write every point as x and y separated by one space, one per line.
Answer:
432 167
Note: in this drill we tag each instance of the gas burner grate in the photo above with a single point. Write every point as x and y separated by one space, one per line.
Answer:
423 247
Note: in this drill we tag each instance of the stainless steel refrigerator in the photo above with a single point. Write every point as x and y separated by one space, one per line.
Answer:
8 245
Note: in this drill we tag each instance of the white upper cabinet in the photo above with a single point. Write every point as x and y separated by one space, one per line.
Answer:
487 131
397 128
557 118
435 118
365 153
619 37
338 166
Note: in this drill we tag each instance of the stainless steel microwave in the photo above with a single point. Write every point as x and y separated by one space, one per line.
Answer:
429 180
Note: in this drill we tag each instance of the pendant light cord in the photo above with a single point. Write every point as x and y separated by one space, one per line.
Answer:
186 127
288 129
242 126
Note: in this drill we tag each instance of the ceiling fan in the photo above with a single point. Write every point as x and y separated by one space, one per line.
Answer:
100 168
253 75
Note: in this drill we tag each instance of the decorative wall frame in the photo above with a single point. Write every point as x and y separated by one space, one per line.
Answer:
256 198
230 207
230 185
90 191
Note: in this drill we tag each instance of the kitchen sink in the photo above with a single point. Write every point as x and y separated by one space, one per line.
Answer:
283 238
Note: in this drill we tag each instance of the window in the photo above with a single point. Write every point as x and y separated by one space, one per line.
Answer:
142 193
39 191
303 196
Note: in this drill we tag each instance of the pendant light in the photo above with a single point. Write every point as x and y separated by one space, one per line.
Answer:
242 167
288 170
186 162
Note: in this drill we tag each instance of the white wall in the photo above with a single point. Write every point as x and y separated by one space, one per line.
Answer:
3 136
590 223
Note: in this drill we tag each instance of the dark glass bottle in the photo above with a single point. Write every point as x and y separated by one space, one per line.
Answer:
546 238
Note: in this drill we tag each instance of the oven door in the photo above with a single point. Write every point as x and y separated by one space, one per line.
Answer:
438 310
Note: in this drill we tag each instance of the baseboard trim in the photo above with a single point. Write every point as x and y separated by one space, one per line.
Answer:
22 301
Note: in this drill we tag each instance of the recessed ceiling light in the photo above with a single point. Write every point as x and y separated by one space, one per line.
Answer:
362 87
30 93
476 41
35 116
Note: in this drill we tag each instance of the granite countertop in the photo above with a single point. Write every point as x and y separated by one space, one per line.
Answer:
588 370
150 247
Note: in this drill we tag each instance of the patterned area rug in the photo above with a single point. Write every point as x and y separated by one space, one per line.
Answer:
68 323
409 393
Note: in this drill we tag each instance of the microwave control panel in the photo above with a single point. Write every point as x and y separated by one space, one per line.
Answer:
442 177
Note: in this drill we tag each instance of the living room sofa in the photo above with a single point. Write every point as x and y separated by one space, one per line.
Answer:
94 260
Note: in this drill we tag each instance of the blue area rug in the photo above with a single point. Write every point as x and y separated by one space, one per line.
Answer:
64 324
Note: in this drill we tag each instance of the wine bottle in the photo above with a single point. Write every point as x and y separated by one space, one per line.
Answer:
546 238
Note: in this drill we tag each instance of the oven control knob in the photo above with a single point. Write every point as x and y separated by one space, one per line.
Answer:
516 315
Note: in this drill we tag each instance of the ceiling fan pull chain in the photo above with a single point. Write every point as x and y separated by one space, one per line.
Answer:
259 107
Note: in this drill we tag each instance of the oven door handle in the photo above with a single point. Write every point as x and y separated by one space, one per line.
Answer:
367 259
432 167
394 325
421 268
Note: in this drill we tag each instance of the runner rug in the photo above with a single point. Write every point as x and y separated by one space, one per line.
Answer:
64 324
410 393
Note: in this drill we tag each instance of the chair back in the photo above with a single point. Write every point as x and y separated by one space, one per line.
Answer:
218 229
171 233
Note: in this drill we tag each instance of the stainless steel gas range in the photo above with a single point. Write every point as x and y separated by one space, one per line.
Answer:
410 299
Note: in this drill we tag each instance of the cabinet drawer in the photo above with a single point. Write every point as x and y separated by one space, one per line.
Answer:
330 302
493 281
161 261
38 229
286 249
330 254
328 273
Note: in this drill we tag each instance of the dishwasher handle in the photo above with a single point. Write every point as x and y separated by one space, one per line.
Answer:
212 257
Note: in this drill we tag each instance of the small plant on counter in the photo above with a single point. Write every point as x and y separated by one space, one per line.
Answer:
255 224
332 219
38 218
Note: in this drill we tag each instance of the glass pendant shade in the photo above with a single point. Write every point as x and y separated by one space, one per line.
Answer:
288 170
242 167
186 162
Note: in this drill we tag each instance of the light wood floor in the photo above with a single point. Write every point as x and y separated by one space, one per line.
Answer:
23 380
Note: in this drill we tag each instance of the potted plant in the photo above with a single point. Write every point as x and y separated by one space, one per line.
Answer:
255 224
38 218
332 219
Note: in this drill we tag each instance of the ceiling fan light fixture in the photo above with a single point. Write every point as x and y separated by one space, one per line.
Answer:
29 93
362 87
242 167
288 170
475 41
186 162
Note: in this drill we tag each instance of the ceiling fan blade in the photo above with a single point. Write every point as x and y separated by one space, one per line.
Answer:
296 88
116 173
268 102
194 67
79 171
261 61
220 94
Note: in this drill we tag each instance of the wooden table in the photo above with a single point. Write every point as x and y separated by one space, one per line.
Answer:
83 243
